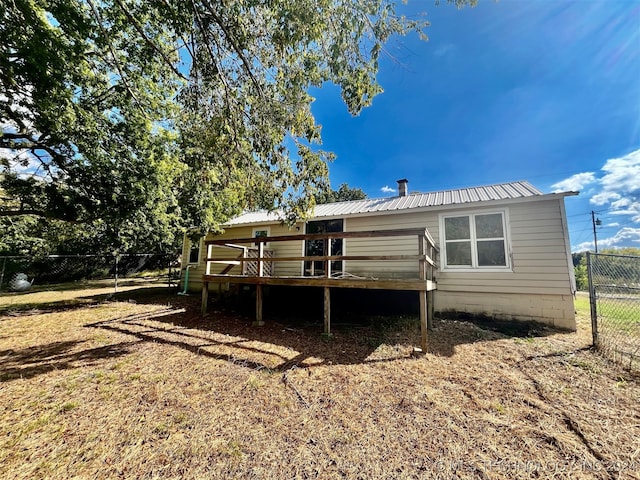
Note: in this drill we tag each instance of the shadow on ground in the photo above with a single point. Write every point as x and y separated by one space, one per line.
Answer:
226 333
34 361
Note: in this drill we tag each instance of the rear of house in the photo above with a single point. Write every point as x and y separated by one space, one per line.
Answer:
504 249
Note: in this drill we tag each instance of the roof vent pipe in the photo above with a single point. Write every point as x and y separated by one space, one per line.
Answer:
402 187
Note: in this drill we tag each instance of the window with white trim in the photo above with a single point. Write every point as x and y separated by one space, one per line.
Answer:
261 232
475 241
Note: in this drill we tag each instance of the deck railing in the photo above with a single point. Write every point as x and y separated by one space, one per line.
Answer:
263 259
262 262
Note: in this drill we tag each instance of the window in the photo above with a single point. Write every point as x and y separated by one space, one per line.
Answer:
259 233
476 241
194 251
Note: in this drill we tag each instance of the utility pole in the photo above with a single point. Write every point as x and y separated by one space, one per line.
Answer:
595 221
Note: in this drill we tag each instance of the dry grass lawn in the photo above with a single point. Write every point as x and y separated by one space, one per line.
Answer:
120 388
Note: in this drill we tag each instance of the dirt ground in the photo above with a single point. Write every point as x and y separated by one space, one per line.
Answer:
140 385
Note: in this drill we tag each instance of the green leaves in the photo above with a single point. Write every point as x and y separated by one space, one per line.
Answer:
151 116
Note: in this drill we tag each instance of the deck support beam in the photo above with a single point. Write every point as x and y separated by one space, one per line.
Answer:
327 312
259 322
205 297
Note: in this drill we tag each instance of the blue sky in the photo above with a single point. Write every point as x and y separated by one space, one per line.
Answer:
546 91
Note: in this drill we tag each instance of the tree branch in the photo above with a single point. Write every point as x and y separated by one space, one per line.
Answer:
17 213
236 47
38 213
147 40
31 144
98 18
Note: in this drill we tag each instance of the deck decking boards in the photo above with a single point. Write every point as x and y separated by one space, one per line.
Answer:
371 283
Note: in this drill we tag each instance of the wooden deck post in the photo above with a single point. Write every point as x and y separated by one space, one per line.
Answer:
424 306
205 297
259 322
327 312
423 320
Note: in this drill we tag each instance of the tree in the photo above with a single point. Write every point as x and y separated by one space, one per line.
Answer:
616 269
343 194
580 272
147 116
622 251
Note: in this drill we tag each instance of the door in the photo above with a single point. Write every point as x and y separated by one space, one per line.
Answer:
321 247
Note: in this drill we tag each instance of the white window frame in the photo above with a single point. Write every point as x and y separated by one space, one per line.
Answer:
261 229
474 267
200 245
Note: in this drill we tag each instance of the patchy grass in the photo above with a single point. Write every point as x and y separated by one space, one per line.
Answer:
621 310
149 389
582 305
618 326
72 294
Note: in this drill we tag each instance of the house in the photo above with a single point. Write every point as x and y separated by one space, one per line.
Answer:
503 249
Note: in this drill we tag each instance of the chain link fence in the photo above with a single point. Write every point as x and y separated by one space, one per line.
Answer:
19 273
614 292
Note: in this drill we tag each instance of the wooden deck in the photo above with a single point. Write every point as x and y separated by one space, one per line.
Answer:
257 267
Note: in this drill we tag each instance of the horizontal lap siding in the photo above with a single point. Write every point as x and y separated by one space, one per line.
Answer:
539 256
387 245
195 270
287 249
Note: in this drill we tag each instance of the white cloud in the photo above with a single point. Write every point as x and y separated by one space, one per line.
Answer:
623 237
623 173
574 182
604 197
633 211
615 189
582 247
620 182
623 202
387 189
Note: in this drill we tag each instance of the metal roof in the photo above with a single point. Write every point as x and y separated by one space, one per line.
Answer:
502 191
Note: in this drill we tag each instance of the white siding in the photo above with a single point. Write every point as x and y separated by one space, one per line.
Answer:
539 259
387 245
538 287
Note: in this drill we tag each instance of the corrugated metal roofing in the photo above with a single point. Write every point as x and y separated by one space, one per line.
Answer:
502 191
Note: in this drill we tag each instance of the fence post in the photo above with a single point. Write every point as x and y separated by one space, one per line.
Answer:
4 264
592 300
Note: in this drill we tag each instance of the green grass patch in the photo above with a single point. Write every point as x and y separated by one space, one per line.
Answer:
616 309
582 305
620 310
